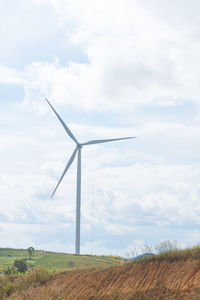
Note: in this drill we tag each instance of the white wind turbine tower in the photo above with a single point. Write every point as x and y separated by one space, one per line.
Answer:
78 185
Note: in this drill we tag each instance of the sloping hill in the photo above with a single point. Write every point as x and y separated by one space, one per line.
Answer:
54 261
133 281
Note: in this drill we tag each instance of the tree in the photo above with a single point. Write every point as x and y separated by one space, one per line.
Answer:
21 265
31 250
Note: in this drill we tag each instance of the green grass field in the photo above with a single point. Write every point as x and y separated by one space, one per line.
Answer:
56 261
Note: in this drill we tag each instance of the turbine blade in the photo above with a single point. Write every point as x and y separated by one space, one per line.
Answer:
65 170
63 124
106 140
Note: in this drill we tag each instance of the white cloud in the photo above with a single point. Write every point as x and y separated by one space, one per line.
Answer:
10 76
135 57
128 198
143 59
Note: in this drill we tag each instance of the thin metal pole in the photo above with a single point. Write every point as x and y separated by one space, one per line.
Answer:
78 202
92 218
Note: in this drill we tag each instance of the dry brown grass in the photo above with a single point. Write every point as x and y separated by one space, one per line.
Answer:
161 278
147 280
175 255
17 283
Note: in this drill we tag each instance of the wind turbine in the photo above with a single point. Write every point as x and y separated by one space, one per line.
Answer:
78 184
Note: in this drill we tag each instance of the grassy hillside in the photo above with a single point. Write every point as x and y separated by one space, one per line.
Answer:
163 277
56 261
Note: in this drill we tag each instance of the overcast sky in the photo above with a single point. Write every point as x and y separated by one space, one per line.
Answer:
111 68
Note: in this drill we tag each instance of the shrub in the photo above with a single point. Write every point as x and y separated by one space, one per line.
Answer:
38 275
17 283
21 265
9 270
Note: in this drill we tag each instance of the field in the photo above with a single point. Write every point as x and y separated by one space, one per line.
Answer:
56 261
169 275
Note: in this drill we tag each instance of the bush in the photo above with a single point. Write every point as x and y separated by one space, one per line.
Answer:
21 265
17 283
38 275
9 270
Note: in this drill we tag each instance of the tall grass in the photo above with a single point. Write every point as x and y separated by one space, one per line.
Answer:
174 255
19 282
20 287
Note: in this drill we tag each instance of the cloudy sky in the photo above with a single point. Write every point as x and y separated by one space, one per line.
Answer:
111 68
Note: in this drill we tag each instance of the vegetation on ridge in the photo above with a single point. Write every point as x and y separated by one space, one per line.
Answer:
172 274
173 255
54 261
